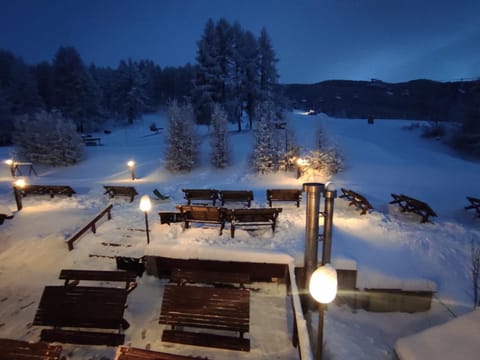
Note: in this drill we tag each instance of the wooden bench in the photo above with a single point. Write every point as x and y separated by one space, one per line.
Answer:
203 214
200 195
418 207
225 309
113 191
51 190
474 204
254 217
5 216
236 196
284 195
359 201
16 349
73 277
184 276
168 217
130 353
82 337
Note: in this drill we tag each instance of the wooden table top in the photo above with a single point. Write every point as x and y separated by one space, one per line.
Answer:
81 306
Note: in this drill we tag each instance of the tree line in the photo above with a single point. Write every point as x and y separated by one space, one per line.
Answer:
233 68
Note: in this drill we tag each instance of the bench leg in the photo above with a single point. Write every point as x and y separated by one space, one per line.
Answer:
232 231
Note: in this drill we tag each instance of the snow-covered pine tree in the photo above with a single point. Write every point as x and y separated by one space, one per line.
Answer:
47 138
266 153
182 140
220 154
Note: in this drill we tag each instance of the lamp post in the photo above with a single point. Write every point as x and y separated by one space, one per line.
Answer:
11 164
330 194
131 166
323 288
17 186
145 206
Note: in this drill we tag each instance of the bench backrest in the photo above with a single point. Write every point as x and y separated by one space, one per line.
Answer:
284 194
200 194
255 214
236 195
206 213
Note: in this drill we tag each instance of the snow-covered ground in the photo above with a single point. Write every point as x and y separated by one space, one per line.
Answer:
387 246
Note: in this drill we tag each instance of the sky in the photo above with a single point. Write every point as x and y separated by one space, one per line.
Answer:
315 40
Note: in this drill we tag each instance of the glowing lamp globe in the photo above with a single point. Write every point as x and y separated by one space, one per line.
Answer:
323 284
145 203
9 162
131 163
20 183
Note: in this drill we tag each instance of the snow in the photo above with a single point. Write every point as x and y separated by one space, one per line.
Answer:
388 248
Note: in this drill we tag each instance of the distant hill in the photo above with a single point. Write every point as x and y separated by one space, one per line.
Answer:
418 99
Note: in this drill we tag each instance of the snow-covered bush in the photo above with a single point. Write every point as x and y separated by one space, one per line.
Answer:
182 140
326 159
47 138
220 154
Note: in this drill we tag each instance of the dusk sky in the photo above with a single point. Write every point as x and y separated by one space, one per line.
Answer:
315 40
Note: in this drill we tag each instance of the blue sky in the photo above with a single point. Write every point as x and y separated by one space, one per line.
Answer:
315 40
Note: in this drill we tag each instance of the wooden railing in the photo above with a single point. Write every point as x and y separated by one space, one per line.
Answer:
90 226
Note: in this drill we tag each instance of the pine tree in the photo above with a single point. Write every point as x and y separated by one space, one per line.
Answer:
267 71
47 138
75 93
220 154
130 91
182 141
207 79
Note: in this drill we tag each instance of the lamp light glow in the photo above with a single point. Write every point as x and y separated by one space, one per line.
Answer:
131 163
323 284
9 162
20 183
145 203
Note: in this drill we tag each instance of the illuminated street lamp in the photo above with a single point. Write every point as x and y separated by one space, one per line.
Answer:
17 187
300 164
323 288
11 164
145 206
131 166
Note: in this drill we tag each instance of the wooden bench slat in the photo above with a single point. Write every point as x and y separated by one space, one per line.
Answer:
130 353
359 201
236 196
208 340
50 190
284 195
203 214
82 337
200 194
410 204
254 217
17 349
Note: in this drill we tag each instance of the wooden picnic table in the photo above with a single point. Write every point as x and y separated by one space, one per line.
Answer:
416 206
82 307
72 277
11 349
212 308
